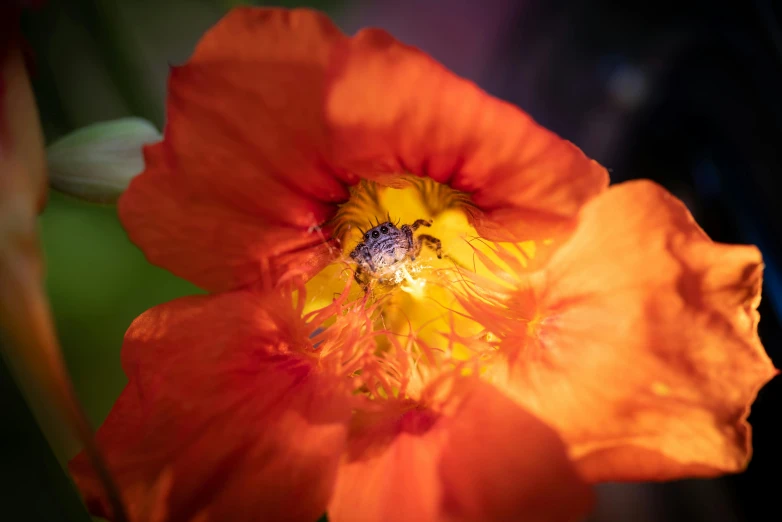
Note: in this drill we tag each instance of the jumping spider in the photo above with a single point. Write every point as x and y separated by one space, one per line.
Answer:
385 247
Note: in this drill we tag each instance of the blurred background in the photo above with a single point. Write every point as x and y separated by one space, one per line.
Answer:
687 93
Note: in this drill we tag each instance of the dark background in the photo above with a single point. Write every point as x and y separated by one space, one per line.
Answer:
688 94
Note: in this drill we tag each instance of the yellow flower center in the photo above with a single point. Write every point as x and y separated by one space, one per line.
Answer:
417 300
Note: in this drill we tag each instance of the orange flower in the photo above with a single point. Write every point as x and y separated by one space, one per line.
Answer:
297 391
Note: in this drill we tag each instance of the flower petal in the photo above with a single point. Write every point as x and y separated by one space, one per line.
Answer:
390 472
215 245
487 460
644 353
501 463
394 110
238 178
224 416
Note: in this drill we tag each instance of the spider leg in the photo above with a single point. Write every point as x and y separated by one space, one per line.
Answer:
410 241
430 241
358 275
413 244
420 223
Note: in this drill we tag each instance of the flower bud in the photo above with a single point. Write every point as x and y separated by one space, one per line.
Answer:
97 162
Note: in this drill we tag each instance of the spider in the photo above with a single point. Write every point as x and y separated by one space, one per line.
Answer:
385 247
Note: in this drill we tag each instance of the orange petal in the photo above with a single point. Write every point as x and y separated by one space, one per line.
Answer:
394 110
204 240
238 179
644 353
501 463
225 415
487 460
267 68
390 472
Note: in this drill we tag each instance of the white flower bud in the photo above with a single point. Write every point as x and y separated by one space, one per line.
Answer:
97 162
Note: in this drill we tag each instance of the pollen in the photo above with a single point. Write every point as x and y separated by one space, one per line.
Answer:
415 287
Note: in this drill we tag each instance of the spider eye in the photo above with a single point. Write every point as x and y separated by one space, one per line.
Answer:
384 229
366 236
375 234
